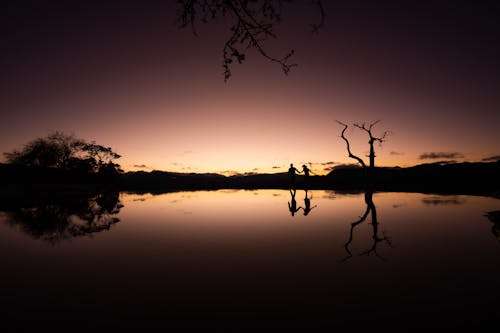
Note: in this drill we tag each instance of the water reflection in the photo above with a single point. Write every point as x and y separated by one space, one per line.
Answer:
222 253
372 211
292 204
441 201
494 217
307 204
56 219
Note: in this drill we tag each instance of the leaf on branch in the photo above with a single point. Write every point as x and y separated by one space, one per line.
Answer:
253 23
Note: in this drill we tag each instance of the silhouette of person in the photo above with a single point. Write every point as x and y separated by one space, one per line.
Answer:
307 204
292 205
292 171
306 172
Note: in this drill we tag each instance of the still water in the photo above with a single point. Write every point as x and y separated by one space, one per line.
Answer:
252 254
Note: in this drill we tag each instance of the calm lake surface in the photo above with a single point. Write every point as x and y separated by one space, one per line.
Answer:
222 255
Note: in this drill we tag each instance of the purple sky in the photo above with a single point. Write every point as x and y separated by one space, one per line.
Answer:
127 77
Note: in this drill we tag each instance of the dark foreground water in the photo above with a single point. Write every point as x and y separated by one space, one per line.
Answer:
240 259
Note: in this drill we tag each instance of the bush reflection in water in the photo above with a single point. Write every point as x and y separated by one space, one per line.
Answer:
56 219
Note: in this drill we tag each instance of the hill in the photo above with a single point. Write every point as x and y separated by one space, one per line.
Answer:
466 178
435 177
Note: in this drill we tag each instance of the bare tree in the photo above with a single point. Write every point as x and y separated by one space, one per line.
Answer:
369 169
252 23
369 186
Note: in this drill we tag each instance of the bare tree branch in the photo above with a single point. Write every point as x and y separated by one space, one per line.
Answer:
252 32
369 131
318 26
371 141
351 233
351 155
253 23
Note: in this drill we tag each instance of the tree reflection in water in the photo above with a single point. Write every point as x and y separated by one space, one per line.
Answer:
494 218
56 220
370 210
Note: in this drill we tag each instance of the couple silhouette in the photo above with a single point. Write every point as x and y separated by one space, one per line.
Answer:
292 204
292 172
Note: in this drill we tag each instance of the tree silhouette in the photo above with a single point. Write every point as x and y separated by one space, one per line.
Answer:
63 151
369 169
252 23
55 150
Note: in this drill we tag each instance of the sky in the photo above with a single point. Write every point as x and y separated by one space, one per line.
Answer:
125 75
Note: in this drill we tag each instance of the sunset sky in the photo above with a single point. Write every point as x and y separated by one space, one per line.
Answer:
126 76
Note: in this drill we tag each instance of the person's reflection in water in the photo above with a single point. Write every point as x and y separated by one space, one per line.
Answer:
307 204
292 204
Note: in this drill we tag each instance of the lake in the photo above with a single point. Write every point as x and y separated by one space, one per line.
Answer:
237 257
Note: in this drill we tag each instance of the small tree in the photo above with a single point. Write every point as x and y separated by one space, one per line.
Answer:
56 150
62 151
102 157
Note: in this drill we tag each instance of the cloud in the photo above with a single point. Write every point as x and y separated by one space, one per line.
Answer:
396 153
328 168
229 173
185 152
491 158
142 166
435 201
347 166
444 162
434 155
255 169
276 167
319 164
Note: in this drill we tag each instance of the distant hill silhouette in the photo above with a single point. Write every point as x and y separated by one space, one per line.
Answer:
435 177
466 178
447 178
162 180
